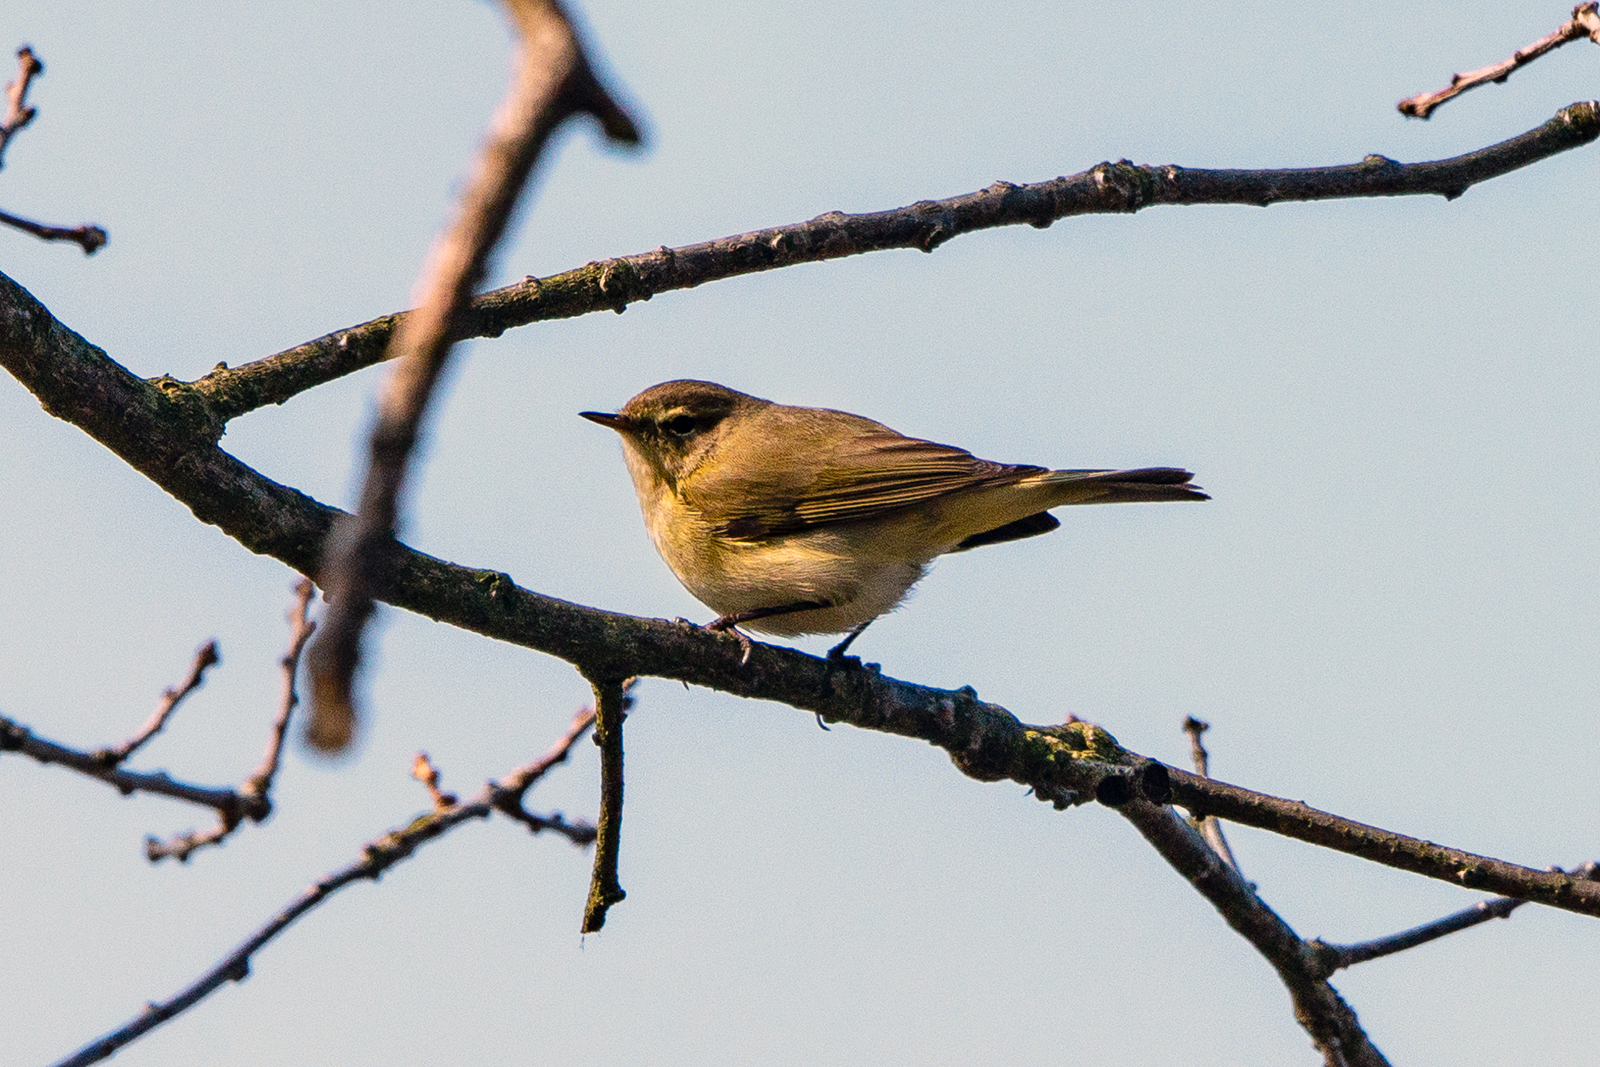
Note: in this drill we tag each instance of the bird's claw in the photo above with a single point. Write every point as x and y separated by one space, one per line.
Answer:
725 625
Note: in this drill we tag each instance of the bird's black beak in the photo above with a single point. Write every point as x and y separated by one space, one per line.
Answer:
619 423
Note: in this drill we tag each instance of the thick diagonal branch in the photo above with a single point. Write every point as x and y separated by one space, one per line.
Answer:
1318 1007
162 432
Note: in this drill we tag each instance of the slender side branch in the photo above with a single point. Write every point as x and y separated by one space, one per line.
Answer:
613 284
1585 22
1210 828
376 857
509 791
300 630
611 704
1294 818
206 657
1331 958
86 236
15 737
255 795
553 82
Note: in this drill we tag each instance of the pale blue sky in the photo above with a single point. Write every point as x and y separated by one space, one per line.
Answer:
1389 610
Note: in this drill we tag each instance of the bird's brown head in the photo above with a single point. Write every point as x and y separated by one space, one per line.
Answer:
673 425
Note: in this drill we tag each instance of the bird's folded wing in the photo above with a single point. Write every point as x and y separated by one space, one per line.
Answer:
852 478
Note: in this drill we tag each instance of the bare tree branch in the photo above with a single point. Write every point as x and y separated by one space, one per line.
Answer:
255 795
1294 818
376 857
553 81
161 430
1585 22
1209 828
251 801
1318 1007
15 737
611 704
1331 958
510 790
207 656
87 237
18 114
613 284
300 630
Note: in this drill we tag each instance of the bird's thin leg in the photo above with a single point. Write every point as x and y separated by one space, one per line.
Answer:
836 653
836 658
731 621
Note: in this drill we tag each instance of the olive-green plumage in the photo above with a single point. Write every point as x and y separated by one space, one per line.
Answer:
794 520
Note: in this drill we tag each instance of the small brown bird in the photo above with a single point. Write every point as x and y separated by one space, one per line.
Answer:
794 520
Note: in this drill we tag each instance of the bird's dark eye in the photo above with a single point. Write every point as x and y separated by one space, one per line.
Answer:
680 425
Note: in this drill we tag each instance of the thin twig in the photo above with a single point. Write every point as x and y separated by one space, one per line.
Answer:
377 857
88 237
18 111
553 81
1585 22
207 656
611 709
254 800
507 793
300 630
1296 819
423 770
613 284
1331 958
1210 828
15 737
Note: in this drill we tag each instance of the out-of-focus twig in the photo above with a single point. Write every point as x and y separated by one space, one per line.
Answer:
1209 827
376 857
553 81
206 657
1585 22
18 111
254 799
611 704
423 770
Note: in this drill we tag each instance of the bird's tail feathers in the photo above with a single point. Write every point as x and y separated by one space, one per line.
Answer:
1120 487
